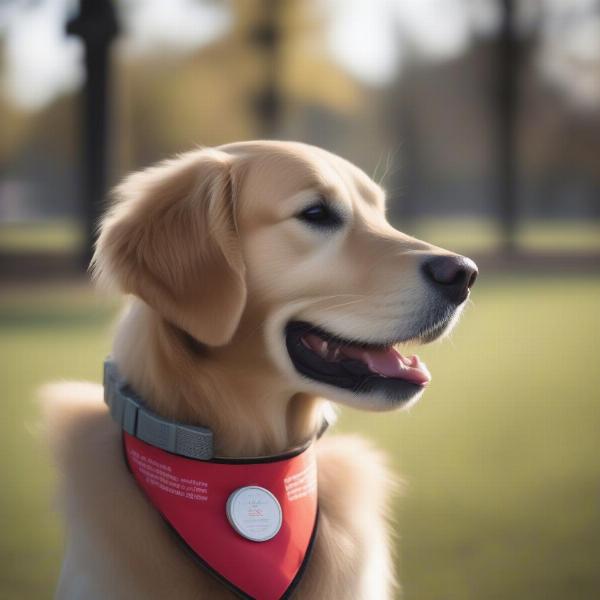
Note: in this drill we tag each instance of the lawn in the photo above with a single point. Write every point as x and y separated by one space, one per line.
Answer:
501 457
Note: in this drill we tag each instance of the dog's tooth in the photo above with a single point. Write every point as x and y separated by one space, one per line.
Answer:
324 348
332 353
415 361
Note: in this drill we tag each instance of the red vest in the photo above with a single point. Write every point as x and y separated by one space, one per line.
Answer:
276 499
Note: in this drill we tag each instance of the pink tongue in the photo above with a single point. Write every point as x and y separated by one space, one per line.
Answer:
390 363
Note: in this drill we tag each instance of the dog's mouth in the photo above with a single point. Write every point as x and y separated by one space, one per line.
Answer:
355 366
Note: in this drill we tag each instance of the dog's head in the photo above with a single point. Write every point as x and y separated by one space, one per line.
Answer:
285 248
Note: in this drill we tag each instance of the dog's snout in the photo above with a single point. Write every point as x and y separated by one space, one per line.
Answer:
453 276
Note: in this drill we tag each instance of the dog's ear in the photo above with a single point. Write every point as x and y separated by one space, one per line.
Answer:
170 239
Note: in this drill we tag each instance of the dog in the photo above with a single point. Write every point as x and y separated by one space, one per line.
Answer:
264 282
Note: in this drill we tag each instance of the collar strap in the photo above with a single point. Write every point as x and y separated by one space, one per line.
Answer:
134 417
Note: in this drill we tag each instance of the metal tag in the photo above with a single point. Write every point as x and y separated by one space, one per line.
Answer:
254 513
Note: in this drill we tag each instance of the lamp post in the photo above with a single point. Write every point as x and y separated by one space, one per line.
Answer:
267 36
96 24
506 187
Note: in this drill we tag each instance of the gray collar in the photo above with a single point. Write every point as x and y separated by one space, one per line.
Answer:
134 417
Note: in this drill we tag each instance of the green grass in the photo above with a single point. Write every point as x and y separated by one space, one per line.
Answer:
44 335
501 456
480 235
49 236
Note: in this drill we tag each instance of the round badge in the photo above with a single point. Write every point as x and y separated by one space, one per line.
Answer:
254 513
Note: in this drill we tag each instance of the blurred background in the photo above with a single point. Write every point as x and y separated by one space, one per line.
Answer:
481 118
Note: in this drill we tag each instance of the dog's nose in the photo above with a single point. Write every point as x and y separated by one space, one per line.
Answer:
453 276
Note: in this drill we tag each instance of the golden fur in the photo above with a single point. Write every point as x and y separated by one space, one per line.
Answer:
207 247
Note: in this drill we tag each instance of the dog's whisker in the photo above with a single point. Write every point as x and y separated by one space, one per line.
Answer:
374 174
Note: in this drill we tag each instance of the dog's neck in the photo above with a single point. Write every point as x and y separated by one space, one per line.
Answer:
234 391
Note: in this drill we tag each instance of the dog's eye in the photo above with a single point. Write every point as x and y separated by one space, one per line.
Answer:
320 215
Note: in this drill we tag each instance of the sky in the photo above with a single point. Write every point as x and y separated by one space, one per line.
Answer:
362 36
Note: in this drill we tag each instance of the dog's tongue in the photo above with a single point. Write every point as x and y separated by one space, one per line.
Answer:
390 363
387 362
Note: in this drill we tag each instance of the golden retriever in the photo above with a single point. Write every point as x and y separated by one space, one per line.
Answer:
264 279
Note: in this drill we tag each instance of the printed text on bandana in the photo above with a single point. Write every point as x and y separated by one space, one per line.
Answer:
301 484
160 475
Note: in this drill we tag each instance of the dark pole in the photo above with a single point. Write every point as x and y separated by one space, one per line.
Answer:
96 25
506 188
267 37
407 179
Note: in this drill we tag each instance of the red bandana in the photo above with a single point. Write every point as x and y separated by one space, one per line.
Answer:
219 507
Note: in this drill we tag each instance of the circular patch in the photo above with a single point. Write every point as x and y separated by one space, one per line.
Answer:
254 513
